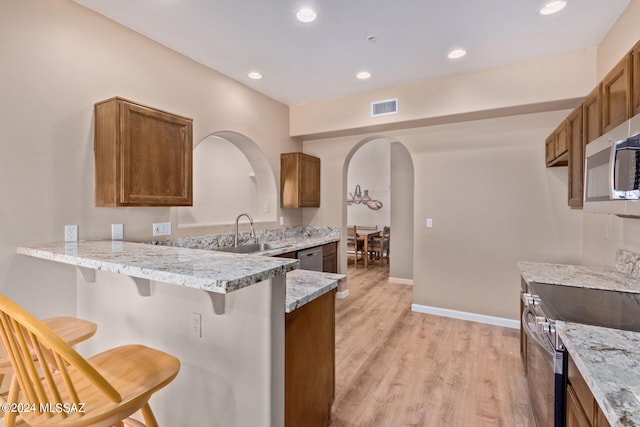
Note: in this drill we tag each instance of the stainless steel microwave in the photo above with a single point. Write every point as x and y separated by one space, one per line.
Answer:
612 171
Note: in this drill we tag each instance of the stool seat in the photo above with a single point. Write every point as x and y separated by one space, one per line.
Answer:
101 391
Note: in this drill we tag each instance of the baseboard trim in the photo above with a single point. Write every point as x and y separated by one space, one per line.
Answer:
474 317
342 294
401 281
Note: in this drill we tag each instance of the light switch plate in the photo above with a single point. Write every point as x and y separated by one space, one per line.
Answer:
429 222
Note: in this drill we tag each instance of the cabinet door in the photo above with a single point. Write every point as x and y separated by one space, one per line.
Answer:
330 258
576 158
556 146
616 95
310 363
550 149
156 157
601 420
561 146
309 182
575 416
143 156
635 78
592 116
299 180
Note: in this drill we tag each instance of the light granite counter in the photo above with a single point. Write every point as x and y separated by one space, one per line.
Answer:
579 276
609 361
211 271
304 286
285 240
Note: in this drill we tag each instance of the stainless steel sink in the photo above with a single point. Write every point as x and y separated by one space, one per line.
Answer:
247 249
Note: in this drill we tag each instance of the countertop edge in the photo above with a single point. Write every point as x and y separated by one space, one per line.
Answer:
616 405
304 286
146 270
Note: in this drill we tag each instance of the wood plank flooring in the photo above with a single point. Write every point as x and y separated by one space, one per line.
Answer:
395 367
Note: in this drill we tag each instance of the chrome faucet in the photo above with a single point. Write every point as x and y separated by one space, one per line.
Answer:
253 232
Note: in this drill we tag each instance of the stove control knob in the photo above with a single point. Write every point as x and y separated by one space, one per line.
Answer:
532 300
544 326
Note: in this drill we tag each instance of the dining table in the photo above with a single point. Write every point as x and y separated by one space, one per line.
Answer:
364 234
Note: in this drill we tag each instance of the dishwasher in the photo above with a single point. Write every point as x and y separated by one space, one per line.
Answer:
311 259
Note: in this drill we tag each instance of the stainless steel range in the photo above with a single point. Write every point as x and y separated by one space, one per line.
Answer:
545 356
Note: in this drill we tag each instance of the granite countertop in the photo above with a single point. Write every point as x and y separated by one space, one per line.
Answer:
211 271
290 239
304 286
608 359
579 276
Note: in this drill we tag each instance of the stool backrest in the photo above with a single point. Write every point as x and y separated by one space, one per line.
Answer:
24 336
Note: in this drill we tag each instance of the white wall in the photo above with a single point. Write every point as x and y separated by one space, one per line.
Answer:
492 200
402 220
59 59
370 168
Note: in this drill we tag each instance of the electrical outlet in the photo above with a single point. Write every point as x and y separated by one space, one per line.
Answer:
70 233
266 208
196 323
117 231
161 228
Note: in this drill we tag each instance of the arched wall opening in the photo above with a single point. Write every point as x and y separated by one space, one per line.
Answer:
390 165
231 175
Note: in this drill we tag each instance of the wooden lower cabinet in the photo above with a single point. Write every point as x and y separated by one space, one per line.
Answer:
575 416
581 408
330 258
310 363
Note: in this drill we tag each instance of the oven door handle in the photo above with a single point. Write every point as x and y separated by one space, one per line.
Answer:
533 335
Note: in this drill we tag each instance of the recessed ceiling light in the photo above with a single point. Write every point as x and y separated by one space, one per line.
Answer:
255 75
553 7
363 75
457 53
306 15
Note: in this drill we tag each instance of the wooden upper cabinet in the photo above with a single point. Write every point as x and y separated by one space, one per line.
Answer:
556 150
143 156
576 157
592 115
635 78
616 95
299 180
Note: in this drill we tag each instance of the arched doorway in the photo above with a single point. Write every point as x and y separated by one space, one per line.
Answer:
390 165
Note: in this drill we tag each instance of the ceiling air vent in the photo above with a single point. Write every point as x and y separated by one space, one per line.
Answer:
384 108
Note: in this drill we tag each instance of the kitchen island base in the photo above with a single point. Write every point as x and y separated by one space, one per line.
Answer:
232 375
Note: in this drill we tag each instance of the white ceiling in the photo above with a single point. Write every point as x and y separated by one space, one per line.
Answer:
309 62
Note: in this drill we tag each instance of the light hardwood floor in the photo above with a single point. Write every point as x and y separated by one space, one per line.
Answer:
395 367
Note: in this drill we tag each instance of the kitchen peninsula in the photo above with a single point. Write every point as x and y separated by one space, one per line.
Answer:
221 314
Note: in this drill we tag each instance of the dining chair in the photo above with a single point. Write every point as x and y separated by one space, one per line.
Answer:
62 388
379 245
354 245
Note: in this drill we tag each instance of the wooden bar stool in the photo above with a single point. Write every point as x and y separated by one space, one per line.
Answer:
101 391
70 329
